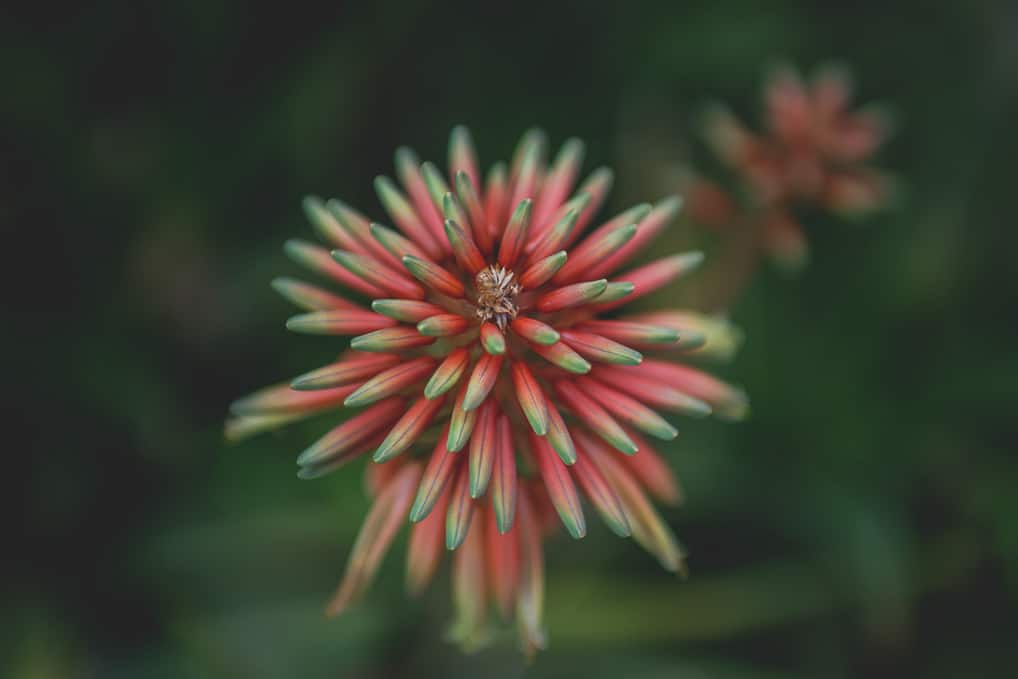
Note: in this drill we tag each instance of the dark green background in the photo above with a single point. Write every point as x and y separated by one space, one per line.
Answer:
863 522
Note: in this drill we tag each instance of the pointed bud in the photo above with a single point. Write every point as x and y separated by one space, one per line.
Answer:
390 382
646 279
319 468
594 416
244 426
651 470
375 537
482 379
463 247
542 270
616 290
503 561
630 332
533 141
345 371
597 186
650 226
406 310
379 275
515 235
530 591
460 512
355 430
503 482
452 210
648 528
601 349
461 424
573 295
727 401
442 325
433 180
530 397
653 393
721 339
309 297
281 398
628 410
377 476
390 339
556 186
406 218
496 198
559 230
594 249
448 373
558 435
469 628
405 432
477 218
633 215
596 487
409 172
526 166
338 322
433 276
396 244
317 259
424 551
492 339
560 486
534 330
561 355
482 449
327 226
358 226
441 467
462 156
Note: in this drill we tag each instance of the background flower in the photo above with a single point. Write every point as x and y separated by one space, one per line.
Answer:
813 153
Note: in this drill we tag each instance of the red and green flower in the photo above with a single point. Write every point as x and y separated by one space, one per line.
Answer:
497 385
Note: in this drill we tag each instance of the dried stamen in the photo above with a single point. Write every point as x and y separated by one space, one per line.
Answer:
496 295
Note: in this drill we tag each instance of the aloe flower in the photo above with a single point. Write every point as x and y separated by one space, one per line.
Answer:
495 383
813 151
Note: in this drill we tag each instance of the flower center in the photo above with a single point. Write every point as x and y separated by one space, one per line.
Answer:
496 295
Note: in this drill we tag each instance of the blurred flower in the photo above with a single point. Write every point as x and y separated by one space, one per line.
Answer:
814 151
495 389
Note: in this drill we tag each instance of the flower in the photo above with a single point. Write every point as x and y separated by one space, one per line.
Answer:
495 384
813 152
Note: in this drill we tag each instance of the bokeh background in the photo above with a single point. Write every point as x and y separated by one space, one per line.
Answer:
863 521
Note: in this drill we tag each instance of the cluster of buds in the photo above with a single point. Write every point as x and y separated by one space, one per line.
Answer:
813 152
496 382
